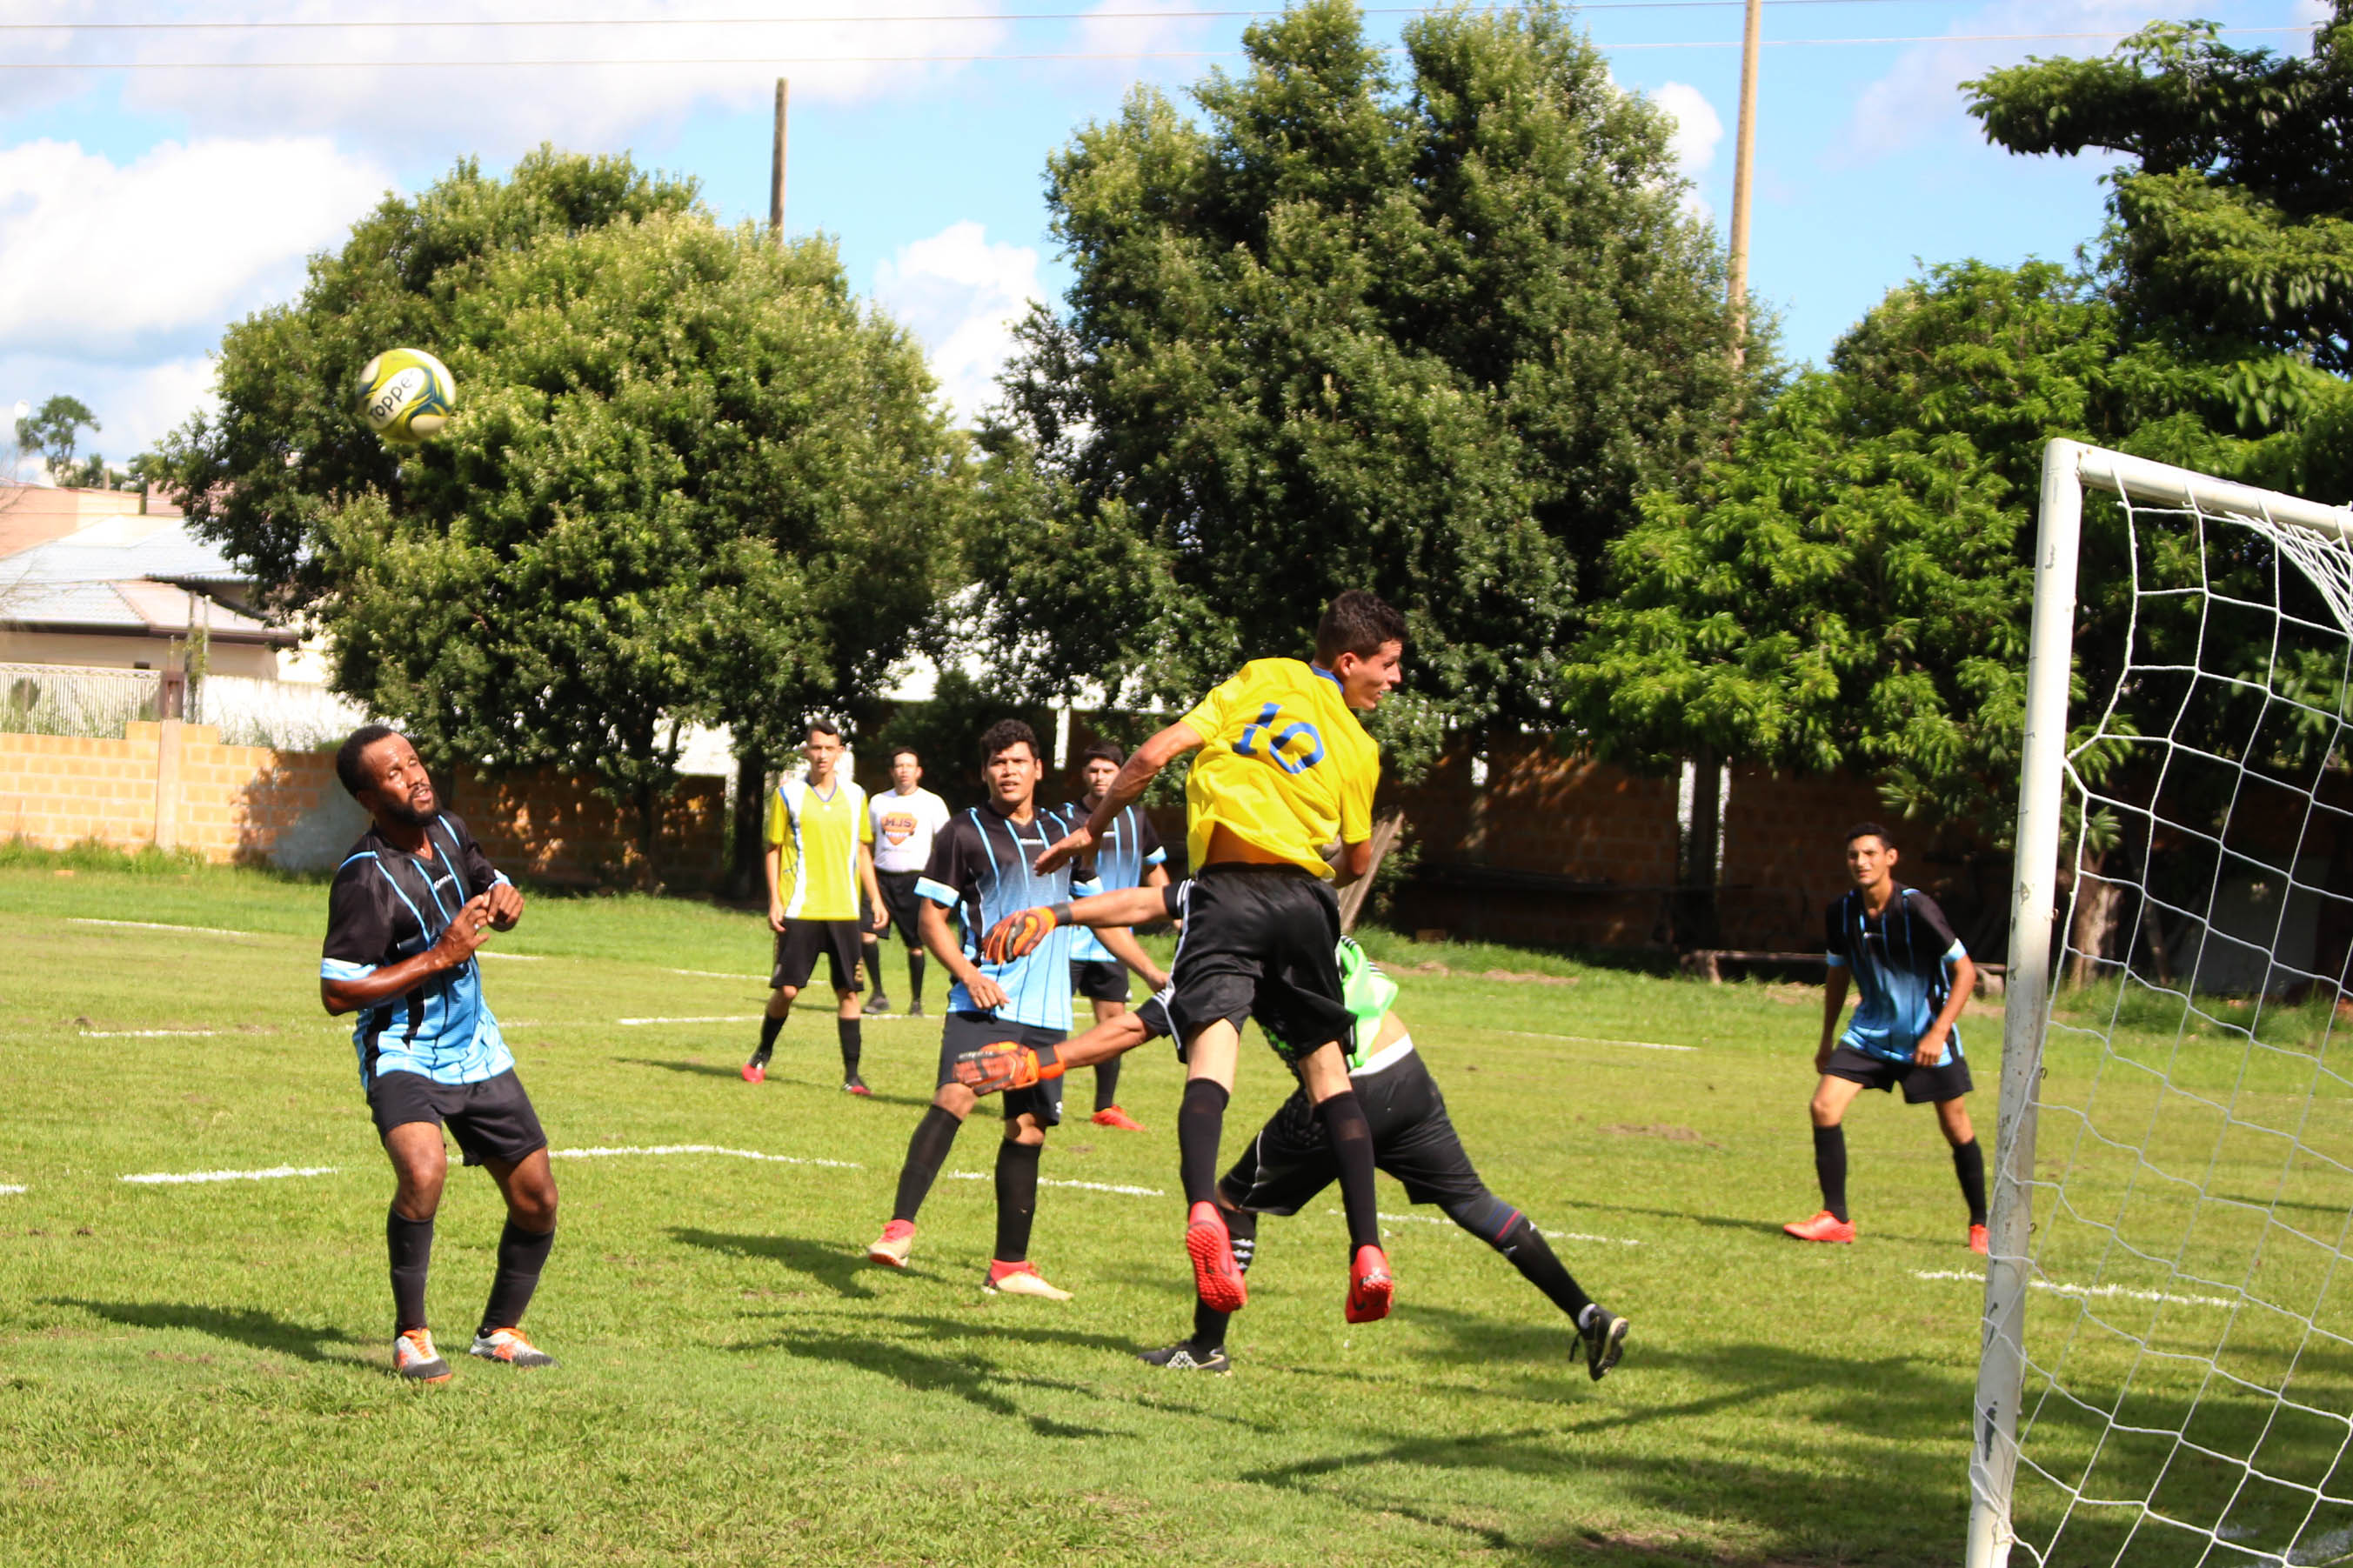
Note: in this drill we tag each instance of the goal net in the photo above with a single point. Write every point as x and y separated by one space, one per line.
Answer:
2167 1369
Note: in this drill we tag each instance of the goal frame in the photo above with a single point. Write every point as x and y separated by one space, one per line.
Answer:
2070 468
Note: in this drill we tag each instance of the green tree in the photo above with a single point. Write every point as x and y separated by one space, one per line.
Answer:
691 479
1427 331
54 430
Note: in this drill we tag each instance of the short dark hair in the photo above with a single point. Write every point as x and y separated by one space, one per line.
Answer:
348 766
898 751
1104 750
1003 736
1868 830
825 726
1357 623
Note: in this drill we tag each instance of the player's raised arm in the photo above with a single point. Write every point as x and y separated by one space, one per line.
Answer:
1136 775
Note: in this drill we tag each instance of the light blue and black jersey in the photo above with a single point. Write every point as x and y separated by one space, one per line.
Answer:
1129 849
387 906
1901 959
979 871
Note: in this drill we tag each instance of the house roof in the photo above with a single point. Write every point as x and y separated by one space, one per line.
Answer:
137 607
130 575
120 549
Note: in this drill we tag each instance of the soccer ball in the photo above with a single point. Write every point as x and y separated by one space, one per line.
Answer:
407 395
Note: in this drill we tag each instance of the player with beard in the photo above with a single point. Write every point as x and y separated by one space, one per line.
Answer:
409 906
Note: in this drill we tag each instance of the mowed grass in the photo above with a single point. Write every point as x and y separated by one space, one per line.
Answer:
198 1373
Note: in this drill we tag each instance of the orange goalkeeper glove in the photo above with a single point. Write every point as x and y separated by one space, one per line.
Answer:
1006 1065
1018 934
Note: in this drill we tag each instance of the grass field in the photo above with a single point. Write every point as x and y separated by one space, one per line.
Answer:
197 1373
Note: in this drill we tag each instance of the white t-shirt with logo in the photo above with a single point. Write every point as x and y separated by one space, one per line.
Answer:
903 826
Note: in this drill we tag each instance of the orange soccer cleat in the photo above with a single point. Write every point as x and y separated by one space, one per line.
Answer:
1369 1285
1112 1116
896 1240
1823 1226
1217 1278
1978 1240
414 1357
508 1346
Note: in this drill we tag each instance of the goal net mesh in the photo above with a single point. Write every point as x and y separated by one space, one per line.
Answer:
2189 1343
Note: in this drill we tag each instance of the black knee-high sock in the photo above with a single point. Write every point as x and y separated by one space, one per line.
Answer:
934 1135
1351 1149
410 1243
846 1030
1107 1084
1017 1197
1968 1165
869 958
769 1030
915 975
1209 1323
1511 1232
521 1255
1201 1122
1830 1167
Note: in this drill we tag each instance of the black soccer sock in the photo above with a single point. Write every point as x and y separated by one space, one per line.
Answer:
1511 1232
1017 1197
769 1028
1830 1167
915 975
869 958
1209 1323
1968 1165
521 1255
934 1136
847 1030
1201 1122
1351 1137
410 1243
1107 1084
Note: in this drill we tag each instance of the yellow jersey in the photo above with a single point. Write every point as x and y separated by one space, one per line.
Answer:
817 874
1284 764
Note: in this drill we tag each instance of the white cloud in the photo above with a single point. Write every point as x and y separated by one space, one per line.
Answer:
1698 129
961 295
101 261
136 405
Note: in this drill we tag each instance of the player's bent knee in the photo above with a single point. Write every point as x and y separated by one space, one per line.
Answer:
955 1099
1023 1129
1487 1216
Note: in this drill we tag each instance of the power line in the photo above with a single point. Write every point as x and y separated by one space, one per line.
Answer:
804 62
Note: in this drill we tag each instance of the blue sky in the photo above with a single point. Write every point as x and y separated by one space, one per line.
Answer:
141 209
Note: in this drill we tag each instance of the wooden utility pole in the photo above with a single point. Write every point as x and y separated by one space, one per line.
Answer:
777 162
1743 159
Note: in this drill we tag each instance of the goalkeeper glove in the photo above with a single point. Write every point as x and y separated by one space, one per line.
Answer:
1018 934
1006 1065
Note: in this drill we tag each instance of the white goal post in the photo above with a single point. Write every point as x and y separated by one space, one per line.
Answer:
2308 542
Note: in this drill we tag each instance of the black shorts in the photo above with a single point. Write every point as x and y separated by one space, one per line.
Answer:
491 1119
1258 938
1291 1160
1098 979
969 1031
800 941
1921 1085
906 906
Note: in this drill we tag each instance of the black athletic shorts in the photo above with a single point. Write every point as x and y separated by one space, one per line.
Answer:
491 1119
969 1031
800 941
1921 1085
1098 979
906 908
1291 1160
1262 938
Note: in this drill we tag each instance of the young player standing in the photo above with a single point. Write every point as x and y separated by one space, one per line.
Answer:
1285 767
980 870
1915 977
408 908
1129 855
820 857
905 821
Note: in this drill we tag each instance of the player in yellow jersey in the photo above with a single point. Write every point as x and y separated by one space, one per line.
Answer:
820 856
1285 768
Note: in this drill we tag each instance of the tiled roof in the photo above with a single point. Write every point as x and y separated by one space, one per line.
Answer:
137 607
119 550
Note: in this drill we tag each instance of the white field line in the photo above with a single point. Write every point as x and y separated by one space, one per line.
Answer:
716 975
1082 1187
1591 1040
509 957
276 1172
157 925
9 1190
720 1018
147 1034
2083 1292
1552 1234
659 1149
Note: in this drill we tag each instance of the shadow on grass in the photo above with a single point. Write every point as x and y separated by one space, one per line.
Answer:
925 1373
831 1264
246 1325
692 1069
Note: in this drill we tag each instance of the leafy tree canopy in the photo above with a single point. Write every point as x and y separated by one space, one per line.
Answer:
1427 331
54 430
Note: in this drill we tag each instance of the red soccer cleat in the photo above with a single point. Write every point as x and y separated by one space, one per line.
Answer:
754 1070
1369 1285
1978 1240
1217 1278
896 1240
1112 1116
1823 1226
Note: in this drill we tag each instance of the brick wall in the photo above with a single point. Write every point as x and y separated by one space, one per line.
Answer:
252 804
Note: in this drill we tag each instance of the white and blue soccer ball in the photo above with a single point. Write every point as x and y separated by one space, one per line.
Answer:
407 395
